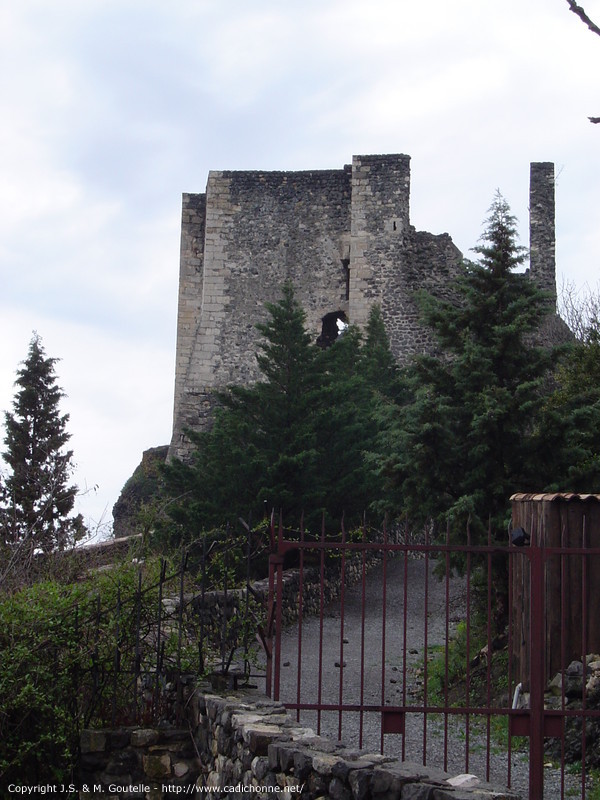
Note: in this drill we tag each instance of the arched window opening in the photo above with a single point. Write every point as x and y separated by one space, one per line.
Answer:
333 326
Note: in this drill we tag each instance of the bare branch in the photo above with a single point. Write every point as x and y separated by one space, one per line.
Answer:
580 309
580 12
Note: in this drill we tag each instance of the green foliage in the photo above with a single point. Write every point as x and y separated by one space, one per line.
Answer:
462 434
67 660
448 439
488 684
571 416
37 498
342 421
260 452
448 667
592 791
378 366
140 493
297 440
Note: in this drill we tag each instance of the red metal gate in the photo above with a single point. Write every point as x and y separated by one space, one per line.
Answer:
373 669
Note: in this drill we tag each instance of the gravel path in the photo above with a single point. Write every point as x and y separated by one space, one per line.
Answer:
389 682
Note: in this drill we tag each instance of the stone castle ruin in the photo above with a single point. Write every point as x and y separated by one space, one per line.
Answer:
342 237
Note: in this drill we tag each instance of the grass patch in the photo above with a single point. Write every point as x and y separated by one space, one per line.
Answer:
461 677
592 790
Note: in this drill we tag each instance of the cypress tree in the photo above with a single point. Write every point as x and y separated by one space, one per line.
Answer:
38 497
378 365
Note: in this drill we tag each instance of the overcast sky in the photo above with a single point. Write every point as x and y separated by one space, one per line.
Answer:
112 108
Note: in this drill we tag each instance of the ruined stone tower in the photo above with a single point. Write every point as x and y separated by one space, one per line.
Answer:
542 267
344 239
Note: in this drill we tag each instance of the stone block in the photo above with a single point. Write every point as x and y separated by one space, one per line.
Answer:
303 764
284 753
360 783
316 784
381 781
181 769
343 766
223 738
337 790
119 739
259 737
324 764
260 767
144 737
416 791
157 766
93 741
122 762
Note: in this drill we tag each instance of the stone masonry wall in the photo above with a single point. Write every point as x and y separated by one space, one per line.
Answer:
380 221
191 275
245 743
262 228
342 237
542 227
212 606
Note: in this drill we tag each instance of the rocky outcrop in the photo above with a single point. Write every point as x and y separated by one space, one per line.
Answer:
141 488
570 686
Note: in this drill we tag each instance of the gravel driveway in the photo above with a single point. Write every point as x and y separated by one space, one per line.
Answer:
346 684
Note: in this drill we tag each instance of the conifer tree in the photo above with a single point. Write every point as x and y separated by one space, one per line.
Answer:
378 365
38 497
260 453
464 437
297 441
569 429
301 439
343 430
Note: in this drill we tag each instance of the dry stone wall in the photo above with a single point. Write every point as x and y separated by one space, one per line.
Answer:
246 744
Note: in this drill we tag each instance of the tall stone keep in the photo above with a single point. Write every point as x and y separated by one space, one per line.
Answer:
344 239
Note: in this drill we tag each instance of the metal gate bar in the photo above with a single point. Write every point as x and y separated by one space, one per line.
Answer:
535 722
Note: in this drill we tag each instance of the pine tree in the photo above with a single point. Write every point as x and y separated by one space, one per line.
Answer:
301 439
37 495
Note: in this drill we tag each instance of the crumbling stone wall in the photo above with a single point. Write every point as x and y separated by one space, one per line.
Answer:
344 239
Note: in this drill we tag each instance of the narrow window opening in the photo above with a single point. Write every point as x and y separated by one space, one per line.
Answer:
395 225
346 268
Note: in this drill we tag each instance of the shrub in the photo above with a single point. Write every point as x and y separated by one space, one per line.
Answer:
68 654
